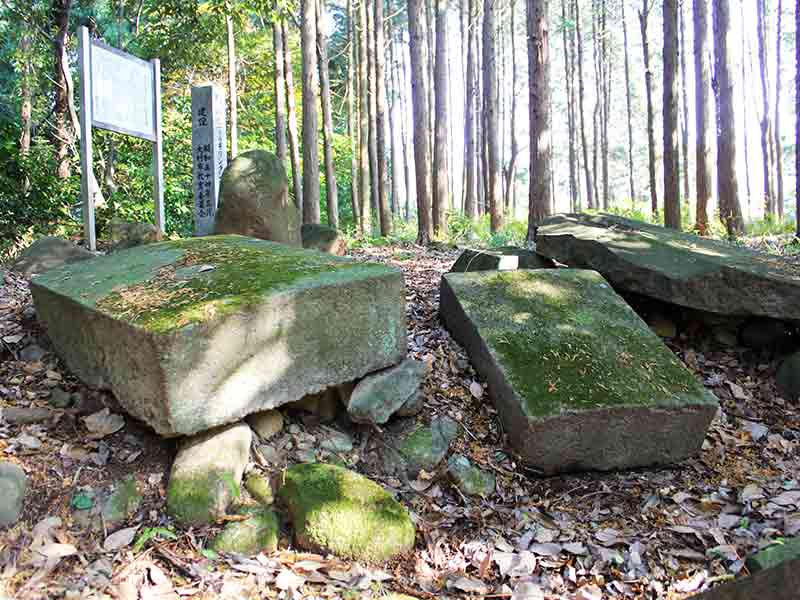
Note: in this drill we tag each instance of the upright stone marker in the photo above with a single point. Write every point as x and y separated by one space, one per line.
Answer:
209 155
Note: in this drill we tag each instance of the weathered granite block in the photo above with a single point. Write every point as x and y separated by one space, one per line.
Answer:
579 380
196 333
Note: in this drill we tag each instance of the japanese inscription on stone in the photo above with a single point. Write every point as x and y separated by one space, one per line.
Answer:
209 154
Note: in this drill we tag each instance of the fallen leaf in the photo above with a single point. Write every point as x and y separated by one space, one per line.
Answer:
469 585
476 389
120 539
527 590
103 423
546 549
288 580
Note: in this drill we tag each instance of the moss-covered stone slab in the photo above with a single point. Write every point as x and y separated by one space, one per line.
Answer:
775 576
579 380
675 267
505 258
207 474
336 510
258 532
192 334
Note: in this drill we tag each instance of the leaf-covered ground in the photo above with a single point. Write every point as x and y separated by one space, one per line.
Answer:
664 533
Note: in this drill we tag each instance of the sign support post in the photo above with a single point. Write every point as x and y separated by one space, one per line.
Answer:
121 93
87 194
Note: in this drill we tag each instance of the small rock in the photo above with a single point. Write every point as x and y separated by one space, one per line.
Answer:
505 258
257 533
207 472
15 415
470 479
307 455
788 377
60 398
13 484
48 253
323 238
336 510
336 441
266 423
126 234
725 336
425 447
259 488
380 395
662 326
32 353
123 502
324 405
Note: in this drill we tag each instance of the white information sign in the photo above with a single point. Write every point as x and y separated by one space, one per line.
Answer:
122 92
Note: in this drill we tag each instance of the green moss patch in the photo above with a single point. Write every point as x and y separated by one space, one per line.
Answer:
163 287
201 498
568 342
257 533
339 511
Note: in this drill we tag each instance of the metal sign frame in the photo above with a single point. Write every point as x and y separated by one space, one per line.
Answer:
87 121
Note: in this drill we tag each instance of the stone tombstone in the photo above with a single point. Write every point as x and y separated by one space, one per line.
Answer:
209 153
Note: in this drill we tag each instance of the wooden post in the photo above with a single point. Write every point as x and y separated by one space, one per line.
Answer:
85 58
158 152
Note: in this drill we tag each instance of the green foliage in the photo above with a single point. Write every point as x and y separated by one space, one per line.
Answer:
463 230
152 533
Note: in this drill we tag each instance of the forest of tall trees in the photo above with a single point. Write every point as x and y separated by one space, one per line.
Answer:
426 114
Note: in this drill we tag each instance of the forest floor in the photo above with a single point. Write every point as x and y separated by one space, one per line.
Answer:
648 533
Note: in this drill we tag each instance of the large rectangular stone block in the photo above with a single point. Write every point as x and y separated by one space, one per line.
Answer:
195 333
579 380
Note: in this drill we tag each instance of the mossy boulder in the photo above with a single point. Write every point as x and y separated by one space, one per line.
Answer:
258 532
207 474
505 258
675 267
336 510
128 234
323 238
259 488
254 200
48 253
192 334
13 485
579 380
380 395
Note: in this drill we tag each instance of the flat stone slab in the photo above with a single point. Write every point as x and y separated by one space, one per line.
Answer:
675 267
775 576
195 333
505 258
579 380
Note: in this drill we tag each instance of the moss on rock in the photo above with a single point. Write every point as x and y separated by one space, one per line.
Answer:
336 510
123 501
257 533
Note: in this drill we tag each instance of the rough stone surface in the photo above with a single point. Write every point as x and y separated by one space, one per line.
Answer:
675 267
788 377
325 404
505 258
207 473
60 398
266 423
425 447
13 484
124 501
196 333
257 533
471 480
380 395
259 488
776 576
323 238
336 510
20 415
254 200
579 380
48 253
128 234
782 551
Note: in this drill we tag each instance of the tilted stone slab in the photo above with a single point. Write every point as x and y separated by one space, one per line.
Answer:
675 267
196 333
505 258
579 380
